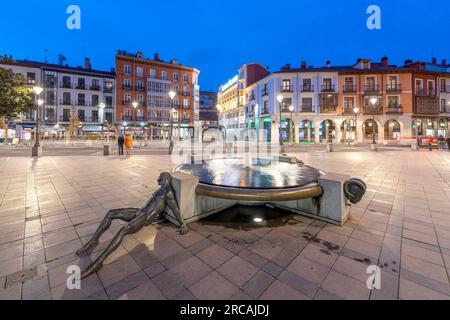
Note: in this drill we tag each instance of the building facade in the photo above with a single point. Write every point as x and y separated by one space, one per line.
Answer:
146 83
209 115
79 93
365 101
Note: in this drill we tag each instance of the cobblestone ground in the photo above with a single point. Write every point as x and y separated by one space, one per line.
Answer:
52 205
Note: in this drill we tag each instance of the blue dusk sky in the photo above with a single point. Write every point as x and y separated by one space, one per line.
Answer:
219 36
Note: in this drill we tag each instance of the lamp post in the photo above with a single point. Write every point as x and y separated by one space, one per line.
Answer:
356 111
172 95
291 109
280 99
135 105
373 101
102 113
36 150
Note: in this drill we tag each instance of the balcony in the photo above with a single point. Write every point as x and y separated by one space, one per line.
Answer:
285 109
348 111
127 87
265 92
66 103
394 109
95 88
326 88
49 119
287 88
307 88
64 119
107 90
445 89
185 94
373 110
126 118
138 88
372 89
66 85
141 118
328 109
394 88
264 111
307 108
425 93
349 88
445 109
251 97
80 87
82 103
427 105
158 119
126 102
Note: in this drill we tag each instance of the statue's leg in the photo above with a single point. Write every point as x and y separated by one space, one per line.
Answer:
132 227
126 214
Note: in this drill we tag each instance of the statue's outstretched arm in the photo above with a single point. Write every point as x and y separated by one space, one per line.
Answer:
173 205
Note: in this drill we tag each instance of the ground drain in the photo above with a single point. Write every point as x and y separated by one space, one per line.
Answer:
20 277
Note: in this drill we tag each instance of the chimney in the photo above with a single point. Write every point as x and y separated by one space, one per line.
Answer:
61 59
408 62
434 61
444 62
328 63
173 61
87 63
156 56
385 61
303 64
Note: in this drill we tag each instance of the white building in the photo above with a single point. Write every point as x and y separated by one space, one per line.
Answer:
88 93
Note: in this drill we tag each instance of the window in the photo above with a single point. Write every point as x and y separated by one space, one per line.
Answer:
185 103
286 85
370 82
349 103
140 85
66 115
430 87
443 105
95 100
176 89
307 85
126 113
31 78
140 99
81 115
50 81
287 102
81 84
154 86
327 83
185 91
127 84
186 78
392 82
140 71
393 102
108 86
94 115
175 77
152 74
81 99
443 85
418 85
164 75
50 97
95 84
67 99
109 101
127 98
307 102
67 82
127 70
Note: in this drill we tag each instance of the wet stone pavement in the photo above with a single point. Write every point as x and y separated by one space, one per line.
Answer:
50 206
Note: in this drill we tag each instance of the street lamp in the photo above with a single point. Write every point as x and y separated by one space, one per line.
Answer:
37 90
356 111
291 109
373 101
172 95
280 99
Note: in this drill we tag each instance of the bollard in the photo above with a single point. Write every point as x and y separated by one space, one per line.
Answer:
414 146
106 150
330 147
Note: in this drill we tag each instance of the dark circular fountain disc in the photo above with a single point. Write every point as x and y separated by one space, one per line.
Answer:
252 174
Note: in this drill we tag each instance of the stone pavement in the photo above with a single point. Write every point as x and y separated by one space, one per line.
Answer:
50 206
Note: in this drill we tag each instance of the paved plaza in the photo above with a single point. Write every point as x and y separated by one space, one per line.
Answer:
52 205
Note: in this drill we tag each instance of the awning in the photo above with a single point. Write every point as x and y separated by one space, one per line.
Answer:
93 129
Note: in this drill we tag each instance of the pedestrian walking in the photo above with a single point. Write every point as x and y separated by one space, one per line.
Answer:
120 143
448 144
430 143
128 144
441 142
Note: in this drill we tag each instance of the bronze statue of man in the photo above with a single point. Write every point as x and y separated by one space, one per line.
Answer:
137 218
